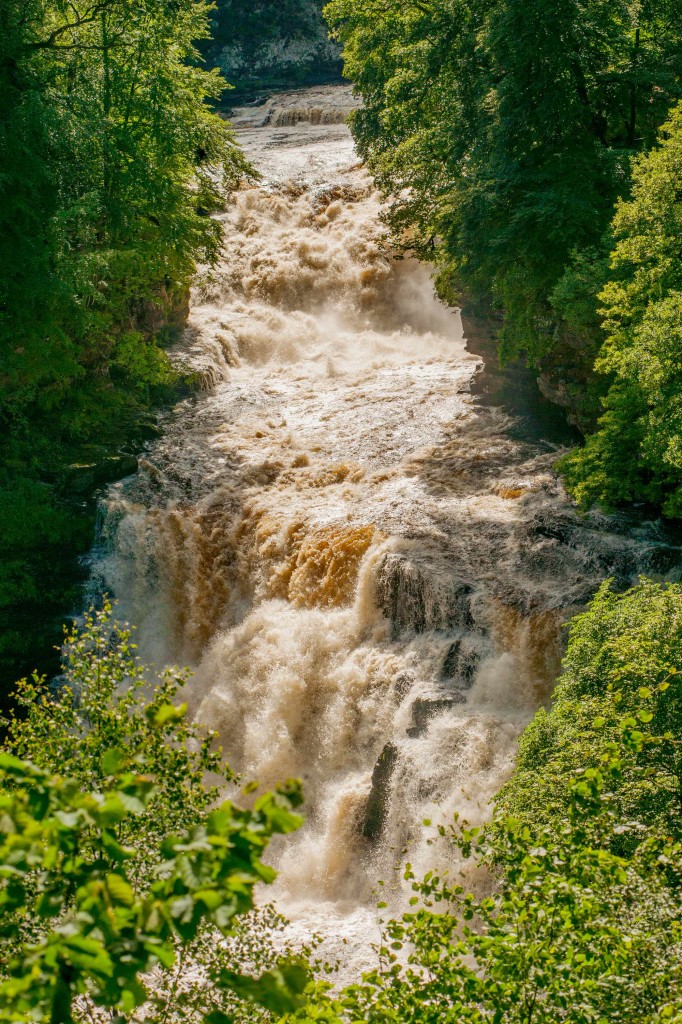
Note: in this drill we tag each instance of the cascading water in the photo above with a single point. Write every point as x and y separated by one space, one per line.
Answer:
366 567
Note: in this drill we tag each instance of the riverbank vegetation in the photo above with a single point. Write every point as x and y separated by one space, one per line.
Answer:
126 889
636 452
531 151
120 868
111 162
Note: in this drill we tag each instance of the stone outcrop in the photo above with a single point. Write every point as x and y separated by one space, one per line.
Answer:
273 46
412 598
426 708
376 810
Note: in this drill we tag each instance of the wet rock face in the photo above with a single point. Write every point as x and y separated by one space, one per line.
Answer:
461 663
402 684
426 708
376 810
566 379
412 600
554 543
83 477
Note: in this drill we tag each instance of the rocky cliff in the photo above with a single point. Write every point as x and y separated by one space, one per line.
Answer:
272 45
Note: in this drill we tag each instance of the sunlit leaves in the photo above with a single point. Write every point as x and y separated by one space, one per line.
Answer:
621 666
637 451
104 933
127 859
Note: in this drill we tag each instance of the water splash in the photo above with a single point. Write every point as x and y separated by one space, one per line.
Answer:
365 566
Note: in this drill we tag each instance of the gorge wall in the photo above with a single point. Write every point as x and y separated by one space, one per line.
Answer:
267 45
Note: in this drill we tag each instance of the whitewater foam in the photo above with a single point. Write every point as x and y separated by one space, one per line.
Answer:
365 567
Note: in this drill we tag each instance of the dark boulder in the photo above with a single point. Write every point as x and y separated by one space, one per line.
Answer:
412 599
376 810
461 663
83 477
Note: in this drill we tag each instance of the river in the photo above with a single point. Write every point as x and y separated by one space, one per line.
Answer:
365 558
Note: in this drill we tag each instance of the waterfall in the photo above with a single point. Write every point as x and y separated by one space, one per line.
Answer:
366 567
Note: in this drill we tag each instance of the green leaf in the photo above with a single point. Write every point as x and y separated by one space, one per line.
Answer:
168 713
113 761
120 890
280 990
12 765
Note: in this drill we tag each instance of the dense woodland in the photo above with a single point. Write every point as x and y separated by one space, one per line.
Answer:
533 152
107 147
511 133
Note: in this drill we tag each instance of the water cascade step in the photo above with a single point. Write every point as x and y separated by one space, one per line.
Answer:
366 566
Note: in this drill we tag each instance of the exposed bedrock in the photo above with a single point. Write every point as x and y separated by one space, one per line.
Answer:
411 599
376 810
426 708
461 662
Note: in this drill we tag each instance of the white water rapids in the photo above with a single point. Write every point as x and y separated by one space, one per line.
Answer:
365 565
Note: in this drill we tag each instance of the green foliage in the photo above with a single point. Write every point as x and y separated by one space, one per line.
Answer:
106 104
503 132
117 857
139 359
104 700
624 657
40 540
111 162
637 451
64 845
575 295
571 930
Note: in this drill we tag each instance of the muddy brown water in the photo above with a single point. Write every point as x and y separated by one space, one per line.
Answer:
354 534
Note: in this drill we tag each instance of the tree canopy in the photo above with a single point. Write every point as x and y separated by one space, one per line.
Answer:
636 453
111 161
503 131
121 865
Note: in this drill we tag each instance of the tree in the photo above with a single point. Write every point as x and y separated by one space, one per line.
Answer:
624 657
502 131
117 857
636 454
63 846
112 159
106 105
